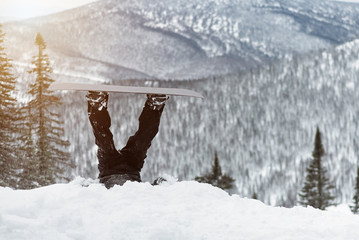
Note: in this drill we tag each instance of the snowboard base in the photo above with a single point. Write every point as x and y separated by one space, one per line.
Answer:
124 89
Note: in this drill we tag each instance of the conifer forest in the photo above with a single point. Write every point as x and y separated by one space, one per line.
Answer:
278 123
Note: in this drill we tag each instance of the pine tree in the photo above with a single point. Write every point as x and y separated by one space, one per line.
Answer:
27 178
355 206
50 158
316 190
7 118
215 177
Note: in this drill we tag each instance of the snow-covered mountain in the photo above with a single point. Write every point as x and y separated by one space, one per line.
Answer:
277 77
183 39
262 124
7 19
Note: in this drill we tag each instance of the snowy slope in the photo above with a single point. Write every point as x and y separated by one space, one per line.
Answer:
182 39
178 211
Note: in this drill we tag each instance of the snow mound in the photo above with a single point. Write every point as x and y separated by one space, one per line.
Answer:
175 210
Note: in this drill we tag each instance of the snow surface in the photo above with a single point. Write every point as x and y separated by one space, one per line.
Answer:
174 210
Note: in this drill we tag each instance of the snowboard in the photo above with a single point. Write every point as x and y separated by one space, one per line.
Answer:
124 89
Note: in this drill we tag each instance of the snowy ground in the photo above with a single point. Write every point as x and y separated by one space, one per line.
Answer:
176 210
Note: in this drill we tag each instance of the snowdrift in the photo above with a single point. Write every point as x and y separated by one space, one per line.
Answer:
174 210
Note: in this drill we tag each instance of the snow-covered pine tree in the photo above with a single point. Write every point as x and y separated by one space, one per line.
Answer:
51 159
355 206
27 178
215 177
7 118
317 189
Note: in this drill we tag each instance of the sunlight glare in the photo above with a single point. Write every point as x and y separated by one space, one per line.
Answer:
23 9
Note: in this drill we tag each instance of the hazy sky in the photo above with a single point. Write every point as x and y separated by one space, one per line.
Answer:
32 8
356 1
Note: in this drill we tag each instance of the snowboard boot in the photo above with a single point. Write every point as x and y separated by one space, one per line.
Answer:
156 101
96 101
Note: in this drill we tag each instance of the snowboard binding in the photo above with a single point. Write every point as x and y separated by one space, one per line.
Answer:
97 100
156 101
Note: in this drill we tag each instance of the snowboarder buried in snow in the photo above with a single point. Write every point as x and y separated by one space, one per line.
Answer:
118 166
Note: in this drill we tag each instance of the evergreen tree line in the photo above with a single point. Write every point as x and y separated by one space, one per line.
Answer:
317 189
32 147
32 150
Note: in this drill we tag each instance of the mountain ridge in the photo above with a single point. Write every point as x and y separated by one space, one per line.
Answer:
185 40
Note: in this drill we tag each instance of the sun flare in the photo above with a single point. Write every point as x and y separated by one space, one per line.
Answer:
23 9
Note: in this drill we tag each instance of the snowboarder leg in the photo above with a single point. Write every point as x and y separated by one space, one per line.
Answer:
117 167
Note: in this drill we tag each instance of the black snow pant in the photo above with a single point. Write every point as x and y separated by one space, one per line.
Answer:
118 166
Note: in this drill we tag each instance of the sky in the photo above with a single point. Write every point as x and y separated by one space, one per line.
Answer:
355 1
22 9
